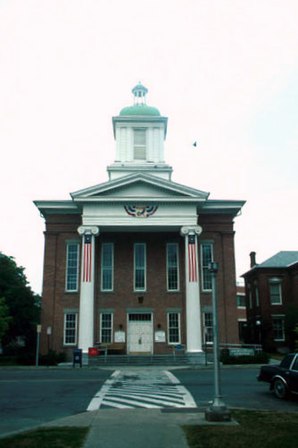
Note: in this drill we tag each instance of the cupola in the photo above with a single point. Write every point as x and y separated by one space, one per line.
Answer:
139 107
139 132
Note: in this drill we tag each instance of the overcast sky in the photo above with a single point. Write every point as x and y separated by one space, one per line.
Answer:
225 73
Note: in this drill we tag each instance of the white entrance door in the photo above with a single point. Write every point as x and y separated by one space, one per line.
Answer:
140 333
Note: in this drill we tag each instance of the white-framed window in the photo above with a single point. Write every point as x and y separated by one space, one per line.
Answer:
278 325
275 291
174 332
70 328
240 299
208 327
106 328
139 267
107 266
206 259
72 266
172 267
139 144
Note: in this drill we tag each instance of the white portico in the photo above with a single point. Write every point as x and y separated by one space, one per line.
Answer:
142 203
140 197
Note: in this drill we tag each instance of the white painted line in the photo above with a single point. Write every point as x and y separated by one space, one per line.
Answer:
136 392
188 398
99 396
142 400
119 405
109 401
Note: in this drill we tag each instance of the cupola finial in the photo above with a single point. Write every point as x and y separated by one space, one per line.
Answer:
140 93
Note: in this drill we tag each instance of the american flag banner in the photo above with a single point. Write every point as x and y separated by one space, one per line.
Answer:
192 259
87 256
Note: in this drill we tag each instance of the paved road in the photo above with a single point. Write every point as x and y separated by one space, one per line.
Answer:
239 388
29 397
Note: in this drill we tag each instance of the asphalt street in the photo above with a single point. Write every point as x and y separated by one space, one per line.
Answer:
30 396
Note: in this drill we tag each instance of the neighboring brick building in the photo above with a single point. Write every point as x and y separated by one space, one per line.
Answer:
272 299
126 261
241 313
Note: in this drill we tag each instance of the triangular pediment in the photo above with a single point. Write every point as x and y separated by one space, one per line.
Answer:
139 186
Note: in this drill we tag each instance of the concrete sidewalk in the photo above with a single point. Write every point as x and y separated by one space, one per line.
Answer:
138 428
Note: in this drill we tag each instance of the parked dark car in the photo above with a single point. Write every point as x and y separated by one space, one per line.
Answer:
283 378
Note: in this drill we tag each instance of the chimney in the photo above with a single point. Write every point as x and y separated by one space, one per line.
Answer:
252 259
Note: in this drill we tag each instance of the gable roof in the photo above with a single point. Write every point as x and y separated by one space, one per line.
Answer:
282 259
139 186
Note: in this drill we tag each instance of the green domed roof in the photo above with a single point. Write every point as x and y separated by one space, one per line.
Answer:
140 109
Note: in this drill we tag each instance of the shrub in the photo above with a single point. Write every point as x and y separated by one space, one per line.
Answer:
52 358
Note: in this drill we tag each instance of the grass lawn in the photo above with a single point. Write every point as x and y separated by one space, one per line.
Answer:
60 437
257 429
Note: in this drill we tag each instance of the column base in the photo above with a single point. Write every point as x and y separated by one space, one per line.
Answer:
196 357
218 412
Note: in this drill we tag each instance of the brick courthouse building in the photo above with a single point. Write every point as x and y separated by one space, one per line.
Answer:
126 261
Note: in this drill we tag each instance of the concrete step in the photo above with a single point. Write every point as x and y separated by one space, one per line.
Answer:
144 360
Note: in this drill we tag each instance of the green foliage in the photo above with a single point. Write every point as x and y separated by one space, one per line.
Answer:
60 437
52 358
4 318
22 304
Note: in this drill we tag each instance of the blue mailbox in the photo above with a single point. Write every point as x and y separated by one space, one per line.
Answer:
77 357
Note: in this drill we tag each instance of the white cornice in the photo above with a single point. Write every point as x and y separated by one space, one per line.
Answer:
217 206
67 207
138 199
125 181
131 119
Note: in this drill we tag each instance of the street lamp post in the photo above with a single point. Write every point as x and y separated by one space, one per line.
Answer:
217 411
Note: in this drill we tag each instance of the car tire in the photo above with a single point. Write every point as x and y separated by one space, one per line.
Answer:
280 389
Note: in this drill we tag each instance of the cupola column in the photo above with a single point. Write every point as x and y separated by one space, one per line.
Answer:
86 315
193 307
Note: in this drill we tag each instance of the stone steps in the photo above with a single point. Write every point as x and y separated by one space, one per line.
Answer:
146 360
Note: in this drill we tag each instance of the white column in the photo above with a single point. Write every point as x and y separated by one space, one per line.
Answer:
193 306
86 315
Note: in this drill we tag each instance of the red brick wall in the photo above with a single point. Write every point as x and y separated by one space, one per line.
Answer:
60 228
219 229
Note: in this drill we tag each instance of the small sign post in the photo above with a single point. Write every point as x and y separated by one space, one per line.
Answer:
217 412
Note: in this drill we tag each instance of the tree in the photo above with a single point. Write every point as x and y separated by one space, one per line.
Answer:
4 318
21 302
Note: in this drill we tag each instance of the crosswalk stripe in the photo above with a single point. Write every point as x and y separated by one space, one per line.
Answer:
140 390
146 399
135 403
189 401
157 396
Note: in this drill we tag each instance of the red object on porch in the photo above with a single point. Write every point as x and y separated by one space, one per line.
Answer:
92 351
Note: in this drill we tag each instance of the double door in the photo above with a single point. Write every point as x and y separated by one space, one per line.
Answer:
140 333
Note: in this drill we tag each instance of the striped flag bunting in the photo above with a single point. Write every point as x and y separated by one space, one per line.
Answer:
87 270
192 259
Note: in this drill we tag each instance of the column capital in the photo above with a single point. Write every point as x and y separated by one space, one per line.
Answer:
191 230
88 230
